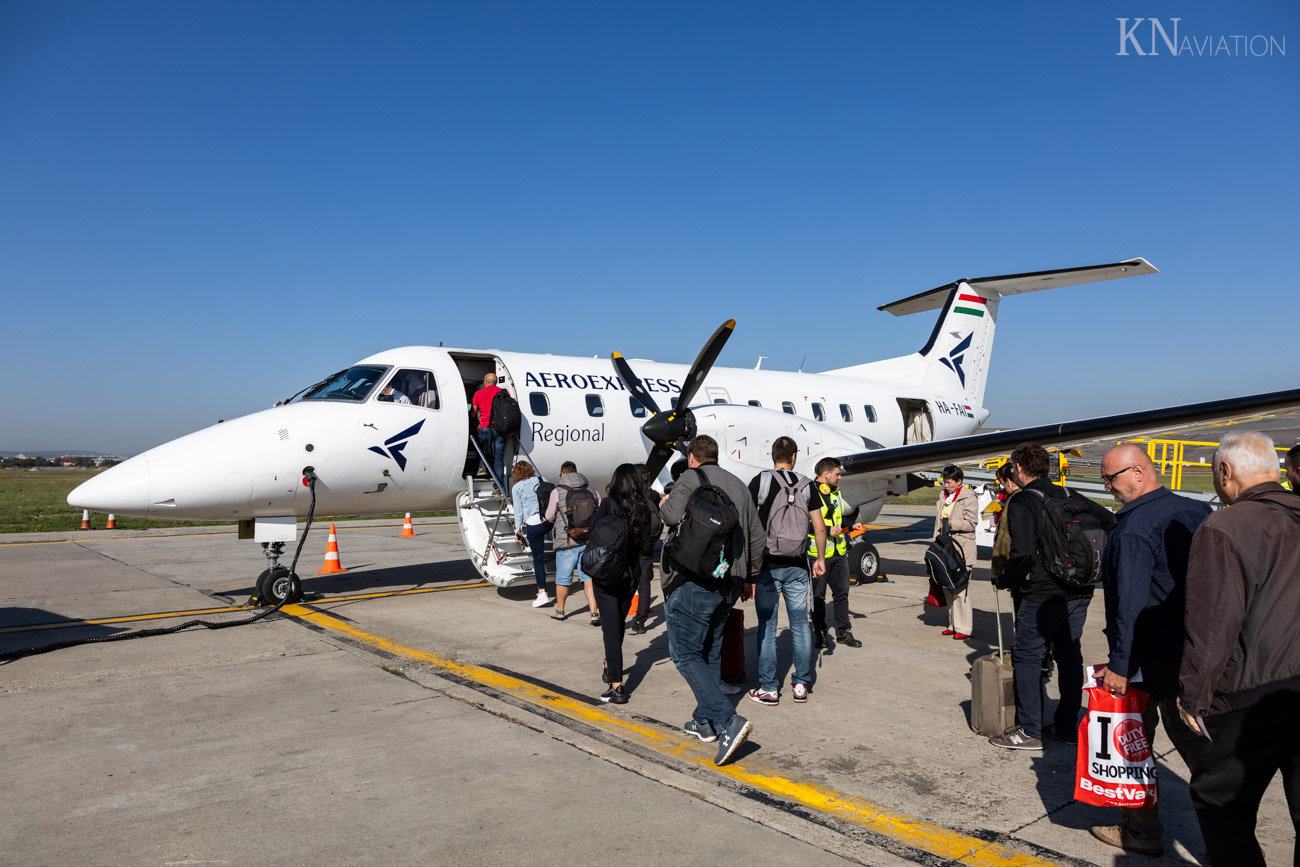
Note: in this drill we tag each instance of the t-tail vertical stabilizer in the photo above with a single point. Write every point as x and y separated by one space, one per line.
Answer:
956 357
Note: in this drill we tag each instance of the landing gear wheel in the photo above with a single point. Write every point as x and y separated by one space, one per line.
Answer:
864 563
275 584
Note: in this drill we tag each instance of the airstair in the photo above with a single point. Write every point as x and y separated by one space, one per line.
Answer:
487 528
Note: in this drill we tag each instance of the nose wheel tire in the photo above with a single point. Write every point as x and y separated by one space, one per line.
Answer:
864 563
275 584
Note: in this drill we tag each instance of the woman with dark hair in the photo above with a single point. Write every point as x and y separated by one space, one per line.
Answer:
645 553
627 500
958 506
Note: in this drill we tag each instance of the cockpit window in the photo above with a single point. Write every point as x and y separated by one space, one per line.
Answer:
411 387
353 384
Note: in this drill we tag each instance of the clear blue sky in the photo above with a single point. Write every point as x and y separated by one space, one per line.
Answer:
206 206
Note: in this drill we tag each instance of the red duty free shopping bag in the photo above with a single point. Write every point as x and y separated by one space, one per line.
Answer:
1115 767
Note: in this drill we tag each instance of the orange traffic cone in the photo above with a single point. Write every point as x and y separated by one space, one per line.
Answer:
112 523
85 519
407 529
332 563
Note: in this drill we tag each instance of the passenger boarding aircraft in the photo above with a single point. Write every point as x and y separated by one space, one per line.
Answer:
391 433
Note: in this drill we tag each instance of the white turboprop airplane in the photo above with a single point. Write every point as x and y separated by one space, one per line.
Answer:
391 433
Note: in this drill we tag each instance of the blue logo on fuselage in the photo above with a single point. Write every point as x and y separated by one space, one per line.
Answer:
396 444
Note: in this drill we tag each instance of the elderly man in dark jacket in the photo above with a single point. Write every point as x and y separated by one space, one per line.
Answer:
1144 579
696 606
1241 658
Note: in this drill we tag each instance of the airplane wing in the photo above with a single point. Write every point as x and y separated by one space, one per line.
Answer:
928 456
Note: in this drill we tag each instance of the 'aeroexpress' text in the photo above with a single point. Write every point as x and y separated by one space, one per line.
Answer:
544 433
595 382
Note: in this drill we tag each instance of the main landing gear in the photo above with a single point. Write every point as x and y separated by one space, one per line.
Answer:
864 563
275 583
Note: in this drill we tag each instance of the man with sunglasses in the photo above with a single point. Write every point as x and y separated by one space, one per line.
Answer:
1144 583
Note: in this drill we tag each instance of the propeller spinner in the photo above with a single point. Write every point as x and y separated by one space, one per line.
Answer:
669 431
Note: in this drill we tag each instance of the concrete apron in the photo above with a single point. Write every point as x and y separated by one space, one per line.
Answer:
879 765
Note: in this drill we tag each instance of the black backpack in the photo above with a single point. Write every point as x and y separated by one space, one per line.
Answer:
946 562
544 491
701 546
579 509
1070 540
506 417
606 557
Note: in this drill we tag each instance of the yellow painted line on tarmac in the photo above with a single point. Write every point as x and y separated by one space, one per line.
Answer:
162 615
915 833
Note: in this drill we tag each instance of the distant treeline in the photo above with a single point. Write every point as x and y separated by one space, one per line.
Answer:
69 461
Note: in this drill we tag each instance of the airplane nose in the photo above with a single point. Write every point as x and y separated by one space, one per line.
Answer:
121 490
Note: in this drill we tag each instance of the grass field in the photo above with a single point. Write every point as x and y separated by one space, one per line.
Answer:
35 501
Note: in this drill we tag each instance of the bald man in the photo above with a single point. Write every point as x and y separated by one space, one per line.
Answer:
1144 581
1241 660
492 443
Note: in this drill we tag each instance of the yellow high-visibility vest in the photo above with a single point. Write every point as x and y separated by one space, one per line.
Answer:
835 513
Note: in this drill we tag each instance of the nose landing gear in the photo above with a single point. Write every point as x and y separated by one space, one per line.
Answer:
275 583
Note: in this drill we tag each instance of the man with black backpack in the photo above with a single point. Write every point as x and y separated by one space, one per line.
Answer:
488 400
782 498
709 559
1056 583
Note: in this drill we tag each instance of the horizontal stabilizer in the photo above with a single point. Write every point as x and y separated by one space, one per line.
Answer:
929 456
1017 284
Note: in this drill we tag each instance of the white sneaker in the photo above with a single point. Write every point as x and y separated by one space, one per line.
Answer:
542 599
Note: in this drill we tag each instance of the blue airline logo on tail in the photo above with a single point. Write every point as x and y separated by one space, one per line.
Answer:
397 444
953 360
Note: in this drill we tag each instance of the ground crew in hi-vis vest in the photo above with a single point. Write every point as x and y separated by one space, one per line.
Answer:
825 495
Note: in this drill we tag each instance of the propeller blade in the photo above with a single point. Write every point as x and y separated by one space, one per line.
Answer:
704 361
659 456
633 383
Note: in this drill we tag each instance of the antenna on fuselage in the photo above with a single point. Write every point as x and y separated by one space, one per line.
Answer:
801 361
760 362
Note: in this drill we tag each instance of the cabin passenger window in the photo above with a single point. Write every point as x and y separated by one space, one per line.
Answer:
412 388
870 412
755 403
787 407
539 403
819 412
595 406
638 411
719 400
845 412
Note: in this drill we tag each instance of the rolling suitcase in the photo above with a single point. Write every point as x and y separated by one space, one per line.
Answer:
733 647
992 688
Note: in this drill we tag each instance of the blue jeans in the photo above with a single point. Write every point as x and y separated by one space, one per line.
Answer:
536 536
790 582
695 617
1055 622
494 447
565 560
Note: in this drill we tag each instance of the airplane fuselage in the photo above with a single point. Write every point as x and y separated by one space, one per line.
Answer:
376 457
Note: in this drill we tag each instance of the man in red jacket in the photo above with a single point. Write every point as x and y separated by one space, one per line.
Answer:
1241 657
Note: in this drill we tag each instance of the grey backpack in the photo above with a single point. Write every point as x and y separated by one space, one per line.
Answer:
787 522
